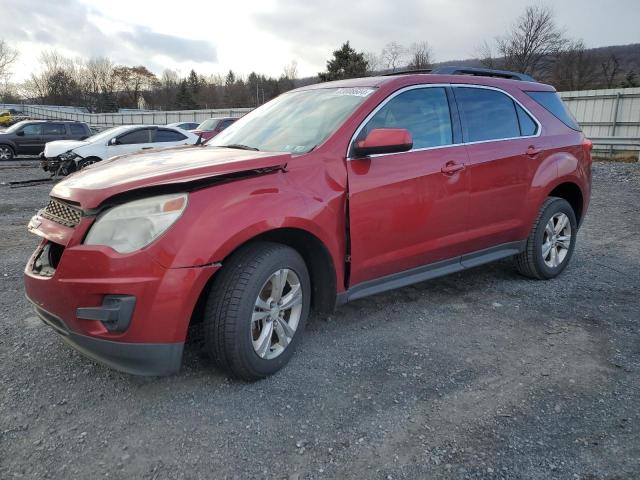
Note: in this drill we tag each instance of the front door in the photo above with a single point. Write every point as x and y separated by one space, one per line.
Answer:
408 209
29 139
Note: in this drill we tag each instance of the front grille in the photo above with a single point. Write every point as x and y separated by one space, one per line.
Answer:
62 213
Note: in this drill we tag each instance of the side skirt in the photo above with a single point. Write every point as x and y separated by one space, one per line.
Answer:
432 270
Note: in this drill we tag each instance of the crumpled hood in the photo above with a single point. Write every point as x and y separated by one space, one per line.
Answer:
93 185
55 148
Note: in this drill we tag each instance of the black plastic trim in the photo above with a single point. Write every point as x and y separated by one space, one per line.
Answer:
115 312
430 271
483 72
149 359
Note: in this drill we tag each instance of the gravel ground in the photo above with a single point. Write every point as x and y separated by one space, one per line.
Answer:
479 375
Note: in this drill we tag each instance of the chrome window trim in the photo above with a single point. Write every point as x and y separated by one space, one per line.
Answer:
442 85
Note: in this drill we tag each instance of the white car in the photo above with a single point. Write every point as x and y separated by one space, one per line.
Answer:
66 156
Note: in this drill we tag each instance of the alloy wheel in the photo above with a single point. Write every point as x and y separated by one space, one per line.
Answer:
276 314
6 153
556 240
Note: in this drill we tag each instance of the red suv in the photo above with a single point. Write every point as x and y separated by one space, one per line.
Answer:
213 126
327 194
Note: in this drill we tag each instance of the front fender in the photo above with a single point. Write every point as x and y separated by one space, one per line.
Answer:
221 218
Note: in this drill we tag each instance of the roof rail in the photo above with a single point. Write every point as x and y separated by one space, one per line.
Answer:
483 72
407 72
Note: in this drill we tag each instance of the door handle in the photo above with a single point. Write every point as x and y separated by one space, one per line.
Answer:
450 168
533 151
146 148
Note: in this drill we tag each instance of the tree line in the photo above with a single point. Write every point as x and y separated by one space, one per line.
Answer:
534 45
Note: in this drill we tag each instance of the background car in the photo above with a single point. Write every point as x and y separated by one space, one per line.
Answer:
213 126
29 137
64 157
184 125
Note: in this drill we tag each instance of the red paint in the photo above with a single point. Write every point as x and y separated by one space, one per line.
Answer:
405 209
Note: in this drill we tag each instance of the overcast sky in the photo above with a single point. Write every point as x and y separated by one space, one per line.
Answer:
265 35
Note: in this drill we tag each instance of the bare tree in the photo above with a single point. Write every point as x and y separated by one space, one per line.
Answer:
290 71
8 56
134 82
485 53
421 56
574 68
533 40
610 68
57 82
392 55
373 62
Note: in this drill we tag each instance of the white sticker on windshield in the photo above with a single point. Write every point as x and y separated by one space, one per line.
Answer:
353 91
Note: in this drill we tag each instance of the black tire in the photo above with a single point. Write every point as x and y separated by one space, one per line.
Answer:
6 153
230 306
530 262
85 162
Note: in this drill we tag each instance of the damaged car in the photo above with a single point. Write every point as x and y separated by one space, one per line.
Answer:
327 194
63 157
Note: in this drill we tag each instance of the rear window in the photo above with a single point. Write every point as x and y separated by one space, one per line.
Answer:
164 135
552 102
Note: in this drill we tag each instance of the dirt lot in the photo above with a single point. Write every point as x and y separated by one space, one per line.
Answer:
482 374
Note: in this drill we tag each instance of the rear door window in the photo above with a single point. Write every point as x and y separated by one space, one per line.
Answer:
56 129
166 135
552 102
486 114
422 111
137 136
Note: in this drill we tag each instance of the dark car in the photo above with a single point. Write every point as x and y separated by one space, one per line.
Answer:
213 126
326 194
29 136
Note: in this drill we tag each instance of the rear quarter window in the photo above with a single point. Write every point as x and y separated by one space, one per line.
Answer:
552 102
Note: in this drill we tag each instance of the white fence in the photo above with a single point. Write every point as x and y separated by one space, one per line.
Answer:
103 120
608 116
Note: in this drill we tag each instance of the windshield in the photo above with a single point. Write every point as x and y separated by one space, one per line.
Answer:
294 122
107 134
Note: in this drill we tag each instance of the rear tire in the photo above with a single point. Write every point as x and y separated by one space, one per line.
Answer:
246 332
6 153
551 241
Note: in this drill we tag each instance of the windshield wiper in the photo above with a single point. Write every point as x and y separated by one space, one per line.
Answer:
241 147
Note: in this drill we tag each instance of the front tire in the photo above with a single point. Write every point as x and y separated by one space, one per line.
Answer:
257 309
551 242
6 153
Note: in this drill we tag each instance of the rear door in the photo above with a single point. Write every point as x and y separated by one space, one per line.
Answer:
498 133
404 210
166 137
52 132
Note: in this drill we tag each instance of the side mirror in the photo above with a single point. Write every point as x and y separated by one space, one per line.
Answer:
384 140
20 133
113 141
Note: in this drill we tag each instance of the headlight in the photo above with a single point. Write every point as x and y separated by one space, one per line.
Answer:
68 155
134 225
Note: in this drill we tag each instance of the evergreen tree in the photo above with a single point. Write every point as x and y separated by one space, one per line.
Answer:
346 63
184 97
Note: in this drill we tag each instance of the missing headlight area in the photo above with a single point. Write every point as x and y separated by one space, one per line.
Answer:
47 260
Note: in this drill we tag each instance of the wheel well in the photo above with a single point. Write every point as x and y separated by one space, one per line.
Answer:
10 146
319 262
572 194
315 255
